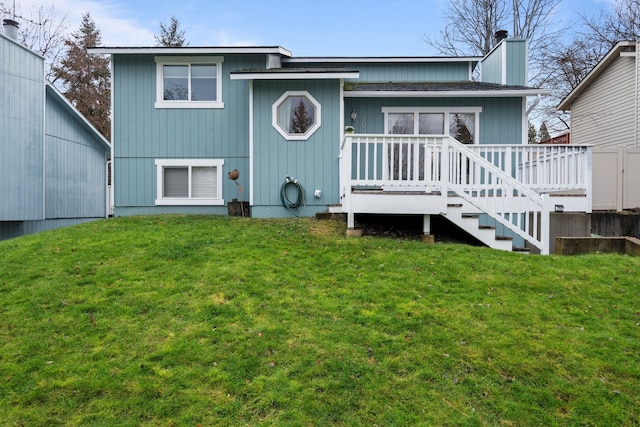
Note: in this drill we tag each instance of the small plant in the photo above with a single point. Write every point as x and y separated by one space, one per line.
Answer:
349 129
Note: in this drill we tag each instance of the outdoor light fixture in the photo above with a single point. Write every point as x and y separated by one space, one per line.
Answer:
354 115
559 208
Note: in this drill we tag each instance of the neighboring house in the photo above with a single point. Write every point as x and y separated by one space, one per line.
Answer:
605 114
52 160
427 139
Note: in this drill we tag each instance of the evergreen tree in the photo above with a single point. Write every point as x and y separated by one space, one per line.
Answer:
532 135
85 79
543 133
301 119
171 35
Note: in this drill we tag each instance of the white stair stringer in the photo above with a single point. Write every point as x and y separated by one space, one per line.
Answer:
458 214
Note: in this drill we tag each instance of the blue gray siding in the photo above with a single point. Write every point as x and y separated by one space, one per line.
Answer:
75 164
144 133
314 162
500 119
21 132
403 72
506 64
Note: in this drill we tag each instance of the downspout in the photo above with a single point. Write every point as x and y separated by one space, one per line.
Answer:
112 190
637 96
251 142
534 105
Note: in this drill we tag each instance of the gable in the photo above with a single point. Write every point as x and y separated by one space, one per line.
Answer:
604 113
22 123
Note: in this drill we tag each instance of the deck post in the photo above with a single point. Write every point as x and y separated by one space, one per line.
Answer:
427 237
545 226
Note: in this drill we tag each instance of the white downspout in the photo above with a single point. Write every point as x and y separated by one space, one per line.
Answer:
637 96
251 142
112 195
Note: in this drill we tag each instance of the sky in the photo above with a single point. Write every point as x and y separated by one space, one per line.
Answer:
307 28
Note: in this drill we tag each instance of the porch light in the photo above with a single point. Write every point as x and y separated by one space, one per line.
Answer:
354 115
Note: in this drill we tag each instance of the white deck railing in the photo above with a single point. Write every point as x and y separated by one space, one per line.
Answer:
504 181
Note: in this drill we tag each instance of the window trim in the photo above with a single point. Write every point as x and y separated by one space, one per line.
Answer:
296 137
447 111
187 60
161 164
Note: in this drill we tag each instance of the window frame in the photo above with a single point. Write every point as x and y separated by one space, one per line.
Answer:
161 61
446 111
296 137
161 164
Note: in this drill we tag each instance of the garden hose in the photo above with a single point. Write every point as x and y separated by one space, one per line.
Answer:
287 203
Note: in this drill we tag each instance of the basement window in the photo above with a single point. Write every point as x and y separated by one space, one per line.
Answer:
189 182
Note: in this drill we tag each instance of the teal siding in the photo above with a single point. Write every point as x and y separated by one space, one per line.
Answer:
492 66
144 133
403 72
515 53
314 162
517 62
10 230
75 167
21 132
500 119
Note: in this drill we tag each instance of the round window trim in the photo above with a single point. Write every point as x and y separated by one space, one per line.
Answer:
296 136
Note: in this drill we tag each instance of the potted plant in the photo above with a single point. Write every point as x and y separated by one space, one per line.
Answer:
349 129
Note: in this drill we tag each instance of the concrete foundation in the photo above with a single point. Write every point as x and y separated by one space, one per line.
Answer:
586 245
354 233
615 224
568 224
428 238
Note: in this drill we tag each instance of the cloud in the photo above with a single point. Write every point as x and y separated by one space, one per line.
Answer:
110 18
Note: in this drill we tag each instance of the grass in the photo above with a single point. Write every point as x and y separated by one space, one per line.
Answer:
187 321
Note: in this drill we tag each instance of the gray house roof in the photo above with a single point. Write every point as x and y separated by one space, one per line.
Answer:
440 89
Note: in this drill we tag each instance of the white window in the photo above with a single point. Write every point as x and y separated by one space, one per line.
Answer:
189 82
460 123
189 182
296 115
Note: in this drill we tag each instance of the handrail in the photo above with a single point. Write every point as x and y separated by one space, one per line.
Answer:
504 188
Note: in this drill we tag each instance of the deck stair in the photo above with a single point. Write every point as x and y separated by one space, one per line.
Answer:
509 186
467 217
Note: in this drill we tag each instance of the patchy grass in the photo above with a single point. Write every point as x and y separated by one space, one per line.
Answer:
176 320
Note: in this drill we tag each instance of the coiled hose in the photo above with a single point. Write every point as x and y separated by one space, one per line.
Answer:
287 203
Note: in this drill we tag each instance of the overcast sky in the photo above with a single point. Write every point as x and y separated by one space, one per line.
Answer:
307 28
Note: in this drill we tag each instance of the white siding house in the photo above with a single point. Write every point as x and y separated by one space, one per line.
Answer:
604 114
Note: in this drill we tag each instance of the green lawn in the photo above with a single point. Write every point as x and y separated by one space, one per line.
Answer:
187 321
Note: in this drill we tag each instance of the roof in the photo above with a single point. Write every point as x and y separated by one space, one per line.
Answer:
381 59
188 50
55 93
615 52
295 73
439 89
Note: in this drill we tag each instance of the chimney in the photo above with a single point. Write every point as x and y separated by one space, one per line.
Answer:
10 28
501 35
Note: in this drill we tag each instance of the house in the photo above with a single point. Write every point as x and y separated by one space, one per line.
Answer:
604 114
352 135
52 160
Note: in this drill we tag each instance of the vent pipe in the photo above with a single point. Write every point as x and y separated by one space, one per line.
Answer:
501 35
10 28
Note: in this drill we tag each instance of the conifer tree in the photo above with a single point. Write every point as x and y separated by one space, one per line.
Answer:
532 135
85 79
171 35
543 133
301 120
